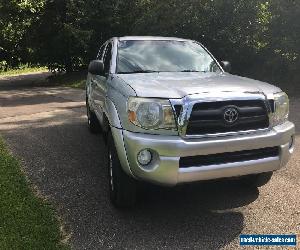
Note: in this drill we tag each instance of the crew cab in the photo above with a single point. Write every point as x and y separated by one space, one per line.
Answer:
171 113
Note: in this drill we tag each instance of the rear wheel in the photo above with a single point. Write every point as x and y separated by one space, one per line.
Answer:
93 122
122 187
257 180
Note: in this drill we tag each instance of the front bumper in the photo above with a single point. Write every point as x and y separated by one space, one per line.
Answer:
167 150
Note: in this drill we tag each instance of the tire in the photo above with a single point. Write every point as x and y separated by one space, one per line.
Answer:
93 123
257 180
122 188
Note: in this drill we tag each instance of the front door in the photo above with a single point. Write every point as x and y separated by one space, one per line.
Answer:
100 83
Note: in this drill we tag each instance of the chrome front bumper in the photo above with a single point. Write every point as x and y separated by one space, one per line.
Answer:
164 169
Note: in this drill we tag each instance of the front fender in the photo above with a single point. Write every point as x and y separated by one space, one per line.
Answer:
115 125
112 115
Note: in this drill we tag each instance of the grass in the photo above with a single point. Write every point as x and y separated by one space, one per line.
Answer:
74 80
26 221
22 71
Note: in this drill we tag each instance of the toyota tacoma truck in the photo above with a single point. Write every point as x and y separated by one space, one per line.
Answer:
171 113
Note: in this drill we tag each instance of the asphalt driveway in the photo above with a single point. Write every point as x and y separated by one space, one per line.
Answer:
46 128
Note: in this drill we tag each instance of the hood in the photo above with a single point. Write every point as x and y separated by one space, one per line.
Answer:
180 84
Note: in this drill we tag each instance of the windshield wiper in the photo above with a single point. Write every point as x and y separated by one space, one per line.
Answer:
139 71
191 70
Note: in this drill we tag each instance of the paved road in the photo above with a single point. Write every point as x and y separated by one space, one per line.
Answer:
46 127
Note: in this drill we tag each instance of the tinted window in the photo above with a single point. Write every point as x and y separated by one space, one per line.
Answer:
107 58
170 56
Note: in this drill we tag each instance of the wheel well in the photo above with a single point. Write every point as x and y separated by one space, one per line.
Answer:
105 125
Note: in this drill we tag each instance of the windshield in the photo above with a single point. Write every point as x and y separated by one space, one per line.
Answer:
163 56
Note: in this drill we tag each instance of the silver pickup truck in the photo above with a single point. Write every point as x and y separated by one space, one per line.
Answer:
171 113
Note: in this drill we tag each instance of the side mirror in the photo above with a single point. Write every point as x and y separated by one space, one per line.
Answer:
96 67
226 66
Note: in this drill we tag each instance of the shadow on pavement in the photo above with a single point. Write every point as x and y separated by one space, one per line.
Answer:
24 81
67 165
30 100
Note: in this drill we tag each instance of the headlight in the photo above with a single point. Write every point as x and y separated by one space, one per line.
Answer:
281 112
151 113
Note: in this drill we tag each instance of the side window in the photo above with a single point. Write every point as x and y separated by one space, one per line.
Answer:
100 53
107 58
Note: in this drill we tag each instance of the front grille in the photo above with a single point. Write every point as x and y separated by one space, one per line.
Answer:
208 117
223 158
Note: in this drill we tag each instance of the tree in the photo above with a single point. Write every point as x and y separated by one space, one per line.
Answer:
221 25
259 37
61 35
16 19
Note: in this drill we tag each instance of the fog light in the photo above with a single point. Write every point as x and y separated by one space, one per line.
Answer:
144 157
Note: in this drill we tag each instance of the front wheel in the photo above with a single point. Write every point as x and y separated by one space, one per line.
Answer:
122 187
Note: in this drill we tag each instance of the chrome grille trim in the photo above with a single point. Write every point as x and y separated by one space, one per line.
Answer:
189 101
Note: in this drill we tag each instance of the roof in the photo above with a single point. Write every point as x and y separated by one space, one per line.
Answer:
124 38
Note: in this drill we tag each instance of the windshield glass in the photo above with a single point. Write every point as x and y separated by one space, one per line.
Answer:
163 56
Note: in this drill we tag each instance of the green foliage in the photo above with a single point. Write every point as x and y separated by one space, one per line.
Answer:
61 37
259 37
75 80
16 17
27 222
22 69
227 28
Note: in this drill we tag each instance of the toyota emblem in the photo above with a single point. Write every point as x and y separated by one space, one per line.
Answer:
231 115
